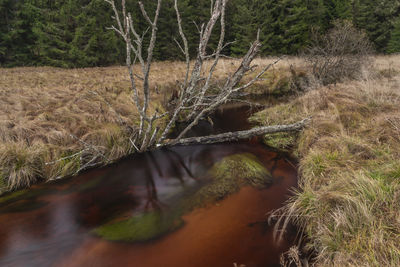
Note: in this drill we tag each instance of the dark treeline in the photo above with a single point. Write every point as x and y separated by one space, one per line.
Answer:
73 33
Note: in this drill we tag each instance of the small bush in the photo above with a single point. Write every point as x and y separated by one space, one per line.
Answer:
339 54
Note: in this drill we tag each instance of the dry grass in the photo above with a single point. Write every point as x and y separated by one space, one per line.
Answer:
53 122
348 202
43 113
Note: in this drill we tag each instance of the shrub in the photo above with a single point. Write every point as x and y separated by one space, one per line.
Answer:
339 54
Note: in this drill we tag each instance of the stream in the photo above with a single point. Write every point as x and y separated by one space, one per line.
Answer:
159 208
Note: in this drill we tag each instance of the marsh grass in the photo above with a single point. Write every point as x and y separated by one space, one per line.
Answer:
47 115
348 201
54 122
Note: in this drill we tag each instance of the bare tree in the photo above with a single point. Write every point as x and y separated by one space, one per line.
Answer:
339 54
193 102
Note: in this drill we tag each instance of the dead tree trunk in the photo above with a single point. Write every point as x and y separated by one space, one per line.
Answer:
240 135
192 103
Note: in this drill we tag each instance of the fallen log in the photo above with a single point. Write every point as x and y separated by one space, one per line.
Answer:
240 135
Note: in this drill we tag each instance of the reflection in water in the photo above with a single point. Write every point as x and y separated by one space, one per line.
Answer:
53 224
59 230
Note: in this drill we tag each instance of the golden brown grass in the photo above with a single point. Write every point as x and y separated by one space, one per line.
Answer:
54 121
348 202
43 113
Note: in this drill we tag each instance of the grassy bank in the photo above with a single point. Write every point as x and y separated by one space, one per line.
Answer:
348 202
55 122
48 114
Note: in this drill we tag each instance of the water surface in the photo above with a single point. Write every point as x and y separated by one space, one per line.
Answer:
55 224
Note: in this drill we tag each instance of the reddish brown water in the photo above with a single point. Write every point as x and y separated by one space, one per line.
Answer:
51 225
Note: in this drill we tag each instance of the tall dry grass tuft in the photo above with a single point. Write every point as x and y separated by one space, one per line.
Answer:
20 165
348 201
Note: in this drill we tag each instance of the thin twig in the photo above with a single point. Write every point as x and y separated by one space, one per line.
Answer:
64 158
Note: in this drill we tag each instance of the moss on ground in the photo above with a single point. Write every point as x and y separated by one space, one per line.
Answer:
245 167
229 174
281 141
140 228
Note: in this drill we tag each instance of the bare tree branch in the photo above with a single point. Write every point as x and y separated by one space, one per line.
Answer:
185 43
240 135
193 100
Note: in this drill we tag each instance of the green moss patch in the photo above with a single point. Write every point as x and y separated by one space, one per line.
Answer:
246 167
283 141
143 227
229 174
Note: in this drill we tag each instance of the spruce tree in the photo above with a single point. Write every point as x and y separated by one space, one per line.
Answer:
6 18
336 9
73 33
55 32
93 44
166 47
376 18
286 24
394 42
194 15
244 25
18 39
